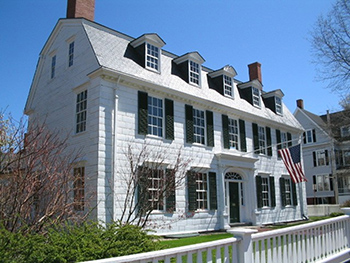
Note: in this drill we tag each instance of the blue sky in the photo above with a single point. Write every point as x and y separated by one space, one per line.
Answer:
224 32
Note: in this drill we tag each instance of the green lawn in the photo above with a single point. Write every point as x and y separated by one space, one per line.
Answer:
171 243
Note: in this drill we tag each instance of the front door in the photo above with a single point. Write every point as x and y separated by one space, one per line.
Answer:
234 202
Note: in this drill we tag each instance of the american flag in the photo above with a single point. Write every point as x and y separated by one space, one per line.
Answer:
292 161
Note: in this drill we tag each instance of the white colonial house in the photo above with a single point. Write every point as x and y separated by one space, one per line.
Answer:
108 91
326 154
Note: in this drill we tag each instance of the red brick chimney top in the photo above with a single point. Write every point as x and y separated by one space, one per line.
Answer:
81 8
300 104
255 71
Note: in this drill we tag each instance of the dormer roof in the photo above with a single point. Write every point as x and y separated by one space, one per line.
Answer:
151 38
194 56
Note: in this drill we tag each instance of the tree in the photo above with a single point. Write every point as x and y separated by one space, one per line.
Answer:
330 40
148 186
35 177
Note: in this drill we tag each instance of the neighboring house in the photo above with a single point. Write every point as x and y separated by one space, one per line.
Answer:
326 152
109 90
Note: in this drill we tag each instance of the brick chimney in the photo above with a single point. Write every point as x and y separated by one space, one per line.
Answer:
81 8
300 104
255 71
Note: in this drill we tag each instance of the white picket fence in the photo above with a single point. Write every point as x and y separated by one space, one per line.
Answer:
321 241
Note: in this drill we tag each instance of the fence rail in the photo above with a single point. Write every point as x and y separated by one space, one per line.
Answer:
322 241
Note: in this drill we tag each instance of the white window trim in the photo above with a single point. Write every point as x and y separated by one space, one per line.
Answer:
263 177
206 191
204 128
148 124
319 157
307 136
196 73
154 57
257 101
263 149
237 135
229 85
278 105
345 131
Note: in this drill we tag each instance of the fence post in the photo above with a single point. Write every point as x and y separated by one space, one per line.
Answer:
245 246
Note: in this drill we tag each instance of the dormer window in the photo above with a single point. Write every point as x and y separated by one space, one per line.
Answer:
188 67
222 80
194 73
256 96
278 102
152 57
148 51
228 86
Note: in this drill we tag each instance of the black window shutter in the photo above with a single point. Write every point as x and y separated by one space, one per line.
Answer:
326 155
242 135
289 138
225 132
278 139
283 191
268 141
314 158
294 194
258 185
169 119
170 190
272 191
210 128
142 191
314 179
191 191
189 123
331 182
314 134
213 203
304 137
142 112
255 138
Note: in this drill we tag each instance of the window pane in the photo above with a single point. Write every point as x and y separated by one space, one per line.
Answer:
155 116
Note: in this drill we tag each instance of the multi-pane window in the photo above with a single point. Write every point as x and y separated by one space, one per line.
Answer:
310 136
256 96
78 188
155 189
71 54
265 191
53 66
284 140
345 131
81 112
322 182
288 191
321 158
194 73
233 133
228 86
262 139
198 126
155 116
152 57
202 190
278 102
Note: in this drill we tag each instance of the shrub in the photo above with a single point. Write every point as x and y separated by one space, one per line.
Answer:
74 243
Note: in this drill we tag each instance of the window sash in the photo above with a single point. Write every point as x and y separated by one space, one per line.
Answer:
198 126
284 140
152 57
228 86
265 191
309 137
256 96
262 139
78 188
53 66
156 189
71 54
155 116
233 133
202 191
278 105
81 112
288 191
194 73
321 158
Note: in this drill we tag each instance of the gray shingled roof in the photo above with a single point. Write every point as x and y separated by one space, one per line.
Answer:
110 47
